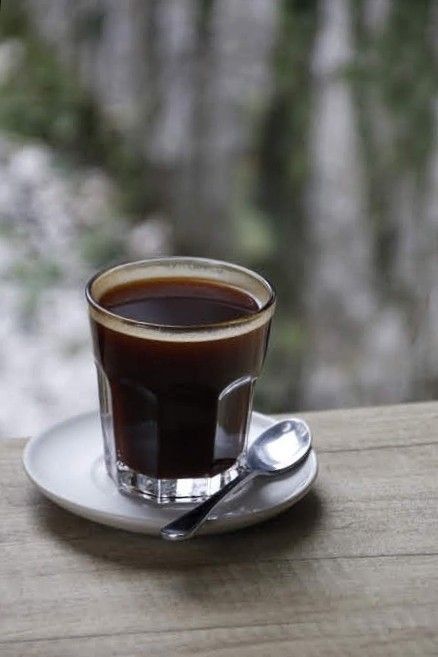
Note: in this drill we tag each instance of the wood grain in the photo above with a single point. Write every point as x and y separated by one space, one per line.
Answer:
351 570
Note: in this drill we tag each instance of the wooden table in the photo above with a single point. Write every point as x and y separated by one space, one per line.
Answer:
351 570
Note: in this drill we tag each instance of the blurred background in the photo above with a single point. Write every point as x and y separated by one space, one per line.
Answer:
297 137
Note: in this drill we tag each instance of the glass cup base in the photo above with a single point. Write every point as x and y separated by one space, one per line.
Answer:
165 491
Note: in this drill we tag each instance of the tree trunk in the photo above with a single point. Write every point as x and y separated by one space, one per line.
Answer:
423 274
231 75
340 294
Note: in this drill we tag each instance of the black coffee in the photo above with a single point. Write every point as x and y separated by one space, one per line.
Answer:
179 407
179 302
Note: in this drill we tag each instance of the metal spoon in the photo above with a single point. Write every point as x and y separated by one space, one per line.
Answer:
276 450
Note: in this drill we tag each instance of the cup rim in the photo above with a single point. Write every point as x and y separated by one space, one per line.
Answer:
177 329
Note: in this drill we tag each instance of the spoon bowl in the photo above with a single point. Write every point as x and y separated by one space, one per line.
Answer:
279 448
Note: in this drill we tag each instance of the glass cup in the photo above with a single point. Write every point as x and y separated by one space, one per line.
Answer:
175 401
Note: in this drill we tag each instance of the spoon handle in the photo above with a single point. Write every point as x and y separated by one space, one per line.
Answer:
187 524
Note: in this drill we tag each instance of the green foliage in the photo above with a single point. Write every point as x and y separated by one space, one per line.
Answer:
35 275
43 100
90 24
283 145
100 246
280 180
283 153
278 387
397 69
407 75
399 65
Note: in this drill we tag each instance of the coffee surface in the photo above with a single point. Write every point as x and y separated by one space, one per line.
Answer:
179 302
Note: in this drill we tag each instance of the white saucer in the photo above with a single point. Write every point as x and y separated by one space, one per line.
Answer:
66 464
